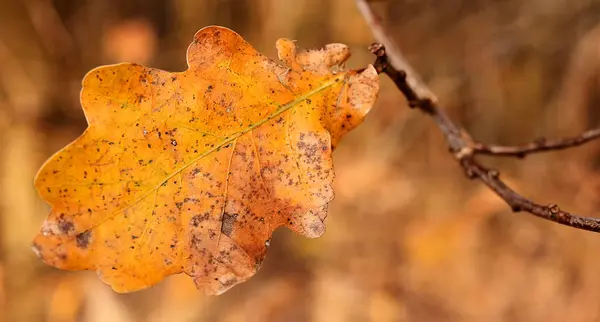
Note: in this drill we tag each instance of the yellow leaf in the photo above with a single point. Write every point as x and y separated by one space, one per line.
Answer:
192 171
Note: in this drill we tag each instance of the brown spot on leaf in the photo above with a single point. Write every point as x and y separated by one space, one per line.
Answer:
66 227
83 239
227 225
198 219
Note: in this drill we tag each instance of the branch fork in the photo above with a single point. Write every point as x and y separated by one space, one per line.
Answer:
390 61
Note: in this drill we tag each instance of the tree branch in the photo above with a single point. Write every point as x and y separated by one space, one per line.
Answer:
537 146
391 62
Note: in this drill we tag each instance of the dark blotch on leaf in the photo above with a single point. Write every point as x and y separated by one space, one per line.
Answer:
227 226
229 283
83 239
65 226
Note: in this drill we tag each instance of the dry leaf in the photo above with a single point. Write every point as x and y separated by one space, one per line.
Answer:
192 171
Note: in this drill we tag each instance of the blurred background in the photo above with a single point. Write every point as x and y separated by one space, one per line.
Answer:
408 237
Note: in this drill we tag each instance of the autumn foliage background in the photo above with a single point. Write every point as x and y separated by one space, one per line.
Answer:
408 238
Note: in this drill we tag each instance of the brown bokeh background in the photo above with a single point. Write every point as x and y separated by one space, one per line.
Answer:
408 237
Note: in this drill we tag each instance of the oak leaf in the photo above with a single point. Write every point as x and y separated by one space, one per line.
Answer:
191 172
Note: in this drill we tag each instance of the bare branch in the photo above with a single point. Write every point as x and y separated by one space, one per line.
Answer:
537 146
460 143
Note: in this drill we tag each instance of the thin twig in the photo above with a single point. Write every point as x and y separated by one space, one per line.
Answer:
537 146
460 143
